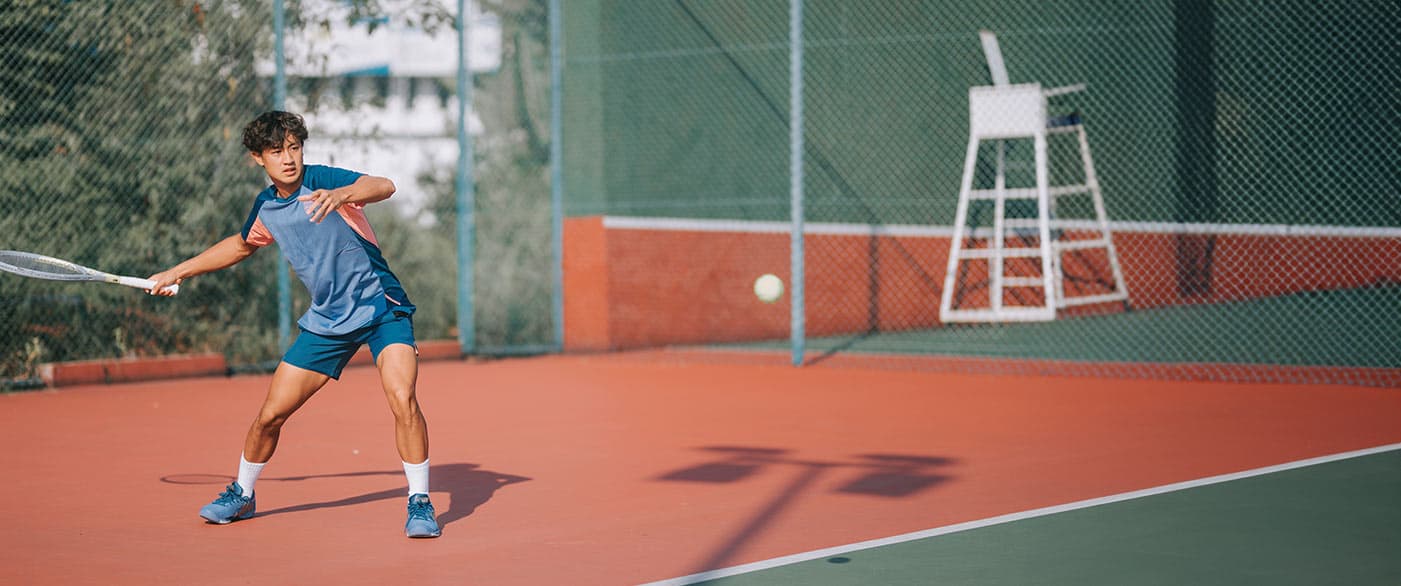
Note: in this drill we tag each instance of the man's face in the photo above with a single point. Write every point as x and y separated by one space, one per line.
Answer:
283 164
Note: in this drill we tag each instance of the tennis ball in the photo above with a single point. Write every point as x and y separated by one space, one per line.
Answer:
768 288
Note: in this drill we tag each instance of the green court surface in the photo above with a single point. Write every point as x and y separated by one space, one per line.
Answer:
1305 329
1333 523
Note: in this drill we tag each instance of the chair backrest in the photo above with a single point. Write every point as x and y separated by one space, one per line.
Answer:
996 67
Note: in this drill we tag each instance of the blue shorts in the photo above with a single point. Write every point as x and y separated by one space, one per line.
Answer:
328 355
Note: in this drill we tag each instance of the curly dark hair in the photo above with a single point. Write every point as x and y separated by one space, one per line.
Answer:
270 129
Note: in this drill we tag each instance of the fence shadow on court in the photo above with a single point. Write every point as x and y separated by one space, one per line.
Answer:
875 475
468 485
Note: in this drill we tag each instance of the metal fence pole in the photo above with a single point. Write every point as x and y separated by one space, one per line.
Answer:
466 198
279 102
795 173
557 171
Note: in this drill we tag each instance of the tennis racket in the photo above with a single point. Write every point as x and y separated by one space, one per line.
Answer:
39 266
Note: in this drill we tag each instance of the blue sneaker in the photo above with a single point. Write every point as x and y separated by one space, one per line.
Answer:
229 507
422 522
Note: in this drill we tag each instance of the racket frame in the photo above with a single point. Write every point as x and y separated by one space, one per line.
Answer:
80 272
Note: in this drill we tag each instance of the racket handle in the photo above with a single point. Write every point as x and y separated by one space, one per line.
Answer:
146 284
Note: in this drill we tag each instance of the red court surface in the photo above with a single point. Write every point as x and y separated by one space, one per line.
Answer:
615 469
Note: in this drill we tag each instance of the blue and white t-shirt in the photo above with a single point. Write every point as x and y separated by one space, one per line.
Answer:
338 259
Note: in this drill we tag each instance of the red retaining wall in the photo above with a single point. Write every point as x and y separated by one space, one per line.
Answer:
633 288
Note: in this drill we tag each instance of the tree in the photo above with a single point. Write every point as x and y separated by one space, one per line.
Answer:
118 149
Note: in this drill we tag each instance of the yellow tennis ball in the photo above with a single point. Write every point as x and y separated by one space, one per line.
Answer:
768 288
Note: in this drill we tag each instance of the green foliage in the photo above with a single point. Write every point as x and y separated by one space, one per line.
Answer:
118 150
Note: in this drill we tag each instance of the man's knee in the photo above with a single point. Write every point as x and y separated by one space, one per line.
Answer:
402 400
270 421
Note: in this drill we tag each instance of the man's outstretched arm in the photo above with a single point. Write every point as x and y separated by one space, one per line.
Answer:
223 254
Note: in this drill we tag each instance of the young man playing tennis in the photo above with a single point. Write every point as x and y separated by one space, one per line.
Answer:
316 215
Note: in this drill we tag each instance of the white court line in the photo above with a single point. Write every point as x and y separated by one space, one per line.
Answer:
1013 517
842 229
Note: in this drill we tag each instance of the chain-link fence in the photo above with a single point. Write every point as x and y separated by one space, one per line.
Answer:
386 102
119 150
120 127
1218 200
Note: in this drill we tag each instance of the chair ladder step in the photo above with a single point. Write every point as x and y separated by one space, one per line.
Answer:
1027 192
1069 301
1004 314
1023 282
1081 244
1017 252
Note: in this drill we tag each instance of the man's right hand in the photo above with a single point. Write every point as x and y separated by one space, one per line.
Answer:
163 280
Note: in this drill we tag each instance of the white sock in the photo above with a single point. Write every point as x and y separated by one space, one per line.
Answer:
248 475
418 477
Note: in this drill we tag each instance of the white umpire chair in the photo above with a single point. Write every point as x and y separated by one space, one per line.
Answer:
1003 112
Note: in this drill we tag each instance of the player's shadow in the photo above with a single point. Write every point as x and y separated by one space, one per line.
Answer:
468 485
